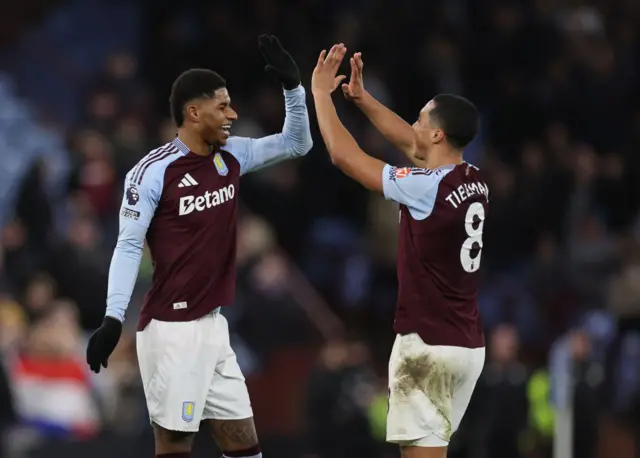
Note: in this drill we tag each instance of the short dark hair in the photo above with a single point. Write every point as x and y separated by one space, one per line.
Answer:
457 117
190 85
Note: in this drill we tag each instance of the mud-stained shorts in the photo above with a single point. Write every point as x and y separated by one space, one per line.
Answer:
190 373
430 388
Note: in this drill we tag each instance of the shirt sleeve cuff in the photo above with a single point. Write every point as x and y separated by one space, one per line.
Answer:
115 315
386 173
295 91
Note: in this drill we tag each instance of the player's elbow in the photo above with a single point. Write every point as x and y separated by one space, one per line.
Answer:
308 144
297 145
338 152
302 147
337 159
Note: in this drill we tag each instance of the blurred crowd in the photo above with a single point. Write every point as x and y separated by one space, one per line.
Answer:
556 83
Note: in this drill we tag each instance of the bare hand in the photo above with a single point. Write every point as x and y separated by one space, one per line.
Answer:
324 79
355 89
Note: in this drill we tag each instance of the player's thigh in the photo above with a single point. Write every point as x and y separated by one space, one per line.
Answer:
422 380
467 383
177 362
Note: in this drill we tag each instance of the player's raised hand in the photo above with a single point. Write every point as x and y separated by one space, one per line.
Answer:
355 89
280 64
324 79
102 343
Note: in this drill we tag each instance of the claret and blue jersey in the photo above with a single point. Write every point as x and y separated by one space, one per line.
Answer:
442 214
185 206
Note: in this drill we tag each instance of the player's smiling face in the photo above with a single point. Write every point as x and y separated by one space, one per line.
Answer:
215 117
427 134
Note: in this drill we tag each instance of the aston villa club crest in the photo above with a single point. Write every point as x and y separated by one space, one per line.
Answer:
221 167
132 195
188 411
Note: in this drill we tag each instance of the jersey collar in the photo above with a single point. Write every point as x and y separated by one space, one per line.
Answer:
445 167
180 145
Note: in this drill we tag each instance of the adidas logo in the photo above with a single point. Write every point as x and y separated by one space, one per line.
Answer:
187 180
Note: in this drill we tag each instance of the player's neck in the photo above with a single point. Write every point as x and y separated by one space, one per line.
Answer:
194 142
441 158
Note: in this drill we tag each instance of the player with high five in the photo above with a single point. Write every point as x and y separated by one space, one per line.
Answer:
182 199
439 352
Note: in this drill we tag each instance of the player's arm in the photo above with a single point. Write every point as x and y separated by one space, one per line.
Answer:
343 149
395 129
138 206
135 217
294 140
414 187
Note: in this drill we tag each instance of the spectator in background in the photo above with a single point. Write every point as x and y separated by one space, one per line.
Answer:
51 385
577 375
12 326
33 207
39 295
12 329
93 180
120 391
624 293
339 393
121 77
20 257
588 378
79 265
499 407
264 277
7 414
624 352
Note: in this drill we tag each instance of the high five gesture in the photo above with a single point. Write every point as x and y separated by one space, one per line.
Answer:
324 79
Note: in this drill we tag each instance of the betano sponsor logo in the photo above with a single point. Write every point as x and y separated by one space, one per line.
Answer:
210 199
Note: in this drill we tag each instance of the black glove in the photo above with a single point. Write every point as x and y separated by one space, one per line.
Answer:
102 343
280 64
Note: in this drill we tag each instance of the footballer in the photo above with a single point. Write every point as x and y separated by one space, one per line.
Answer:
182 198
439 352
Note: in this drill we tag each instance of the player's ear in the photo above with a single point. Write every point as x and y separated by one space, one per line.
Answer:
437 135
191 113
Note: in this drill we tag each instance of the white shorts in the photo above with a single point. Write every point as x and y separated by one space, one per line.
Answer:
430 388
190 373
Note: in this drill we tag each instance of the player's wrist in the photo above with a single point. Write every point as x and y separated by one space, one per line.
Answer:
362 100
290 85
293 91
111 322
114 315
321 94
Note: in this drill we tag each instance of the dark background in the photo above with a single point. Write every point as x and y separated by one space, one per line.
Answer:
83 95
